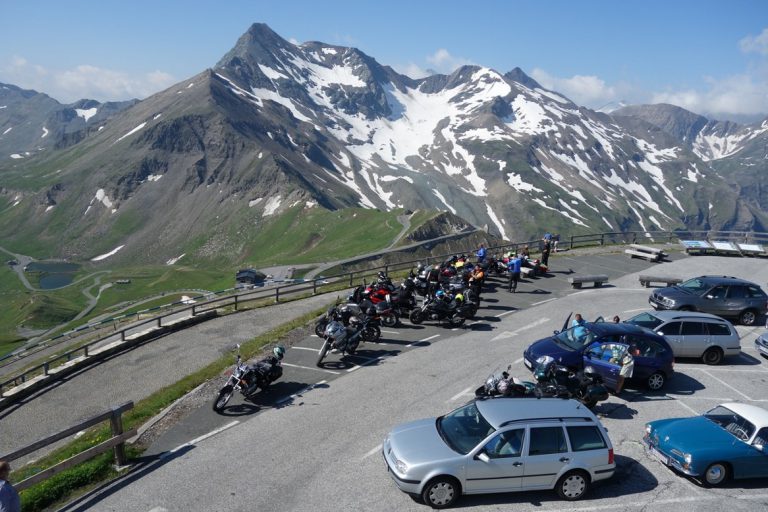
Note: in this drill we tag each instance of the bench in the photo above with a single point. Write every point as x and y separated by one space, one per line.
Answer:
640 254
668 281
598 280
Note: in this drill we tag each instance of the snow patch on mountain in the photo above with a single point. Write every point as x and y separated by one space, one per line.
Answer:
86 113
442 200
496 221
140 127
107 255
273 203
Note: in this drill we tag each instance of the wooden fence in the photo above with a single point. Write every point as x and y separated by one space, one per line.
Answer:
115 443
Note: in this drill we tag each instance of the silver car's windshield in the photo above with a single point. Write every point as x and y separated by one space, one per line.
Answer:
646 320
574 338
694 285
464 428
732 422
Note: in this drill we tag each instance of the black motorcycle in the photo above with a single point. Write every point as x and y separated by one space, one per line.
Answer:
553 379
247 379
436 308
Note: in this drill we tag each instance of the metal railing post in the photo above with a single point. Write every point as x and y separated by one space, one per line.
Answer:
277 294
235 302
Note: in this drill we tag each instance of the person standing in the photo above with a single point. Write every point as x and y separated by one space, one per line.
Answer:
579 328
545 253
481 254
627 368
513 267
9 498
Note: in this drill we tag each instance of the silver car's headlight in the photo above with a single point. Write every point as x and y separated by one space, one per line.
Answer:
401 466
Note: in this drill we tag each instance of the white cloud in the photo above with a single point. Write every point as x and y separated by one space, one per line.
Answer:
756 44
443 62
587 90
739 94
84 81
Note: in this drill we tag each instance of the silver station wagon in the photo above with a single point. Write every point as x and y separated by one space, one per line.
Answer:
692 334
497 445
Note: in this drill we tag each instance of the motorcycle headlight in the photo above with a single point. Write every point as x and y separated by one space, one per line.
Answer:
401 466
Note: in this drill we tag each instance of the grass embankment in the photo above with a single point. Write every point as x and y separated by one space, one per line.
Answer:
73 482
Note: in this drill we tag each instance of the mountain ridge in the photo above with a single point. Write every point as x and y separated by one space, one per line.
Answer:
274 125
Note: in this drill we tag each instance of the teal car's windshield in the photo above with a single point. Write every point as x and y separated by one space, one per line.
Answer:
464 428
694 285
574 338
732 422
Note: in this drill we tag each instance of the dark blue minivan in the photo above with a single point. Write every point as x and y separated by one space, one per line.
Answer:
601 345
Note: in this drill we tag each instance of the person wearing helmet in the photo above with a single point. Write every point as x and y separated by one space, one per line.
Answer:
279 352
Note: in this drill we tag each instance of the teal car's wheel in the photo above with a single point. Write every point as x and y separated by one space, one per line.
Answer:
441 492
716 474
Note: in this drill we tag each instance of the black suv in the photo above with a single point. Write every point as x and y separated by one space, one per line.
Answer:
719 295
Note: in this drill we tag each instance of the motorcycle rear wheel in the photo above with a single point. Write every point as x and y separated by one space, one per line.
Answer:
323 351
372 333
389 320
223 397
457 320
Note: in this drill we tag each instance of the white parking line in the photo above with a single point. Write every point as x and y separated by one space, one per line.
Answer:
201 438
422 341
310 368
543 301
505 313
725 384
368 360
305 390
696 413
390 332
377 449
304 348
508 334
459 394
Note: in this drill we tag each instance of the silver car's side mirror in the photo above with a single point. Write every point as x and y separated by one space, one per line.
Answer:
483 457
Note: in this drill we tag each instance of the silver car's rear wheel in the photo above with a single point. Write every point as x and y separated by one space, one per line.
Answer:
716 474
712 356
441 492
572 485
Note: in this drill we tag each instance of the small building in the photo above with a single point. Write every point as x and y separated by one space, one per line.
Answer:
249 277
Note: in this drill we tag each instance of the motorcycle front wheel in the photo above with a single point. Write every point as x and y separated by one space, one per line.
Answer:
416 316
323 351
320 328
223 397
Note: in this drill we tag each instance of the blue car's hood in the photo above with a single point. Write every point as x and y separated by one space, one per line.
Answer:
690 434
548 347
418 442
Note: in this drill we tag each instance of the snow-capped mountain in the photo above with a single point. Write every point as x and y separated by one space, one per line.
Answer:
275 126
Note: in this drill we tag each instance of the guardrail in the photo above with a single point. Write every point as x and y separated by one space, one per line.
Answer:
116 443
137 329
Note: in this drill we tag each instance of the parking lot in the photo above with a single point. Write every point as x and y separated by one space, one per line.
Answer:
325 425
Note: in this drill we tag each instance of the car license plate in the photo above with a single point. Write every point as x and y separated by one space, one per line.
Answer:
659 456
528 364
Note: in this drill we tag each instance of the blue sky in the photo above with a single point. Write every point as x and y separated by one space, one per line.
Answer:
710 57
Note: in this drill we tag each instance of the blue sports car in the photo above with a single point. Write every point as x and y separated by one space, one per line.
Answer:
726 442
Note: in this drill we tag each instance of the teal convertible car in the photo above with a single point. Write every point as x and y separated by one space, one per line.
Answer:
726 442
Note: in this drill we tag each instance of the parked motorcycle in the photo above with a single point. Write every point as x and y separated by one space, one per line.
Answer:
348 314
584 385
247 379
504 385
343 338
437 308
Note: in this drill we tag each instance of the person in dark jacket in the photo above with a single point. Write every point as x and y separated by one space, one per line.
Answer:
513 267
